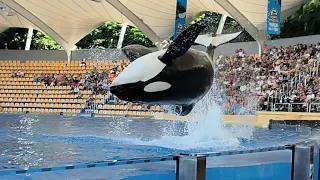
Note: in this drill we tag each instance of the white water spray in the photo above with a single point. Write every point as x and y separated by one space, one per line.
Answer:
205 130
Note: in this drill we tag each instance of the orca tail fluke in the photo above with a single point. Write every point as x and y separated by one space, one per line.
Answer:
213 42
184 110
224 38
207 40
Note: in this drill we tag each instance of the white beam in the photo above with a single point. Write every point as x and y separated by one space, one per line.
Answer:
122 34
29 39
40 24
136 21
239 17
221 24
243 21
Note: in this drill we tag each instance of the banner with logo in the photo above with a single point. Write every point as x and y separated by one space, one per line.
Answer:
181 17
274 17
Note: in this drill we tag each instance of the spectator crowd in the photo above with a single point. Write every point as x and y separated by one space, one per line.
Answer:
282 74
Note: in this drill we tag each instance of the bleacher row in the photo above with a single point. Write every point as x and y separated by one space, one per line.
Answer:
24 95
12 64
110 110
33 67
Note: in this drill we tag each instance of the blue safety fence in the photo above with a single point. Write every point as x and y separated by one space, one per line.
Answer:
270 161
250 151
88 165
265 163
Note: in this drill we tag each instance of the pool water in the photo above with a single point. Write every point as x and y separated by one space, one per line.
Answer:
46 141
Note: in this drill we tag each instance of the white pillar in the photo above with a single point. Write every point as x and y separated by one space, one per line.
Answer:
261 39
29 39
260 47
69 56
221 24
122 34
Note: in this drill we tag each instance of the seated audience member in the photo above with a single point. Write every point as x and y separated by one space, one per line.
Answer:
76 90
14 74
83 62
35 79
90 100
21 73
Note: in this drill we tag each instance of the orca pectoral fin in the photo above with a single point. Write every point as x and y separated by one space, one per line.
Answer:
184 109
135 51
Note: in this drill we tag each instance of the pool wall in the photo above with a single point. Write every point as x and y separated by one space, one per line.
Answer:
303 164
261 119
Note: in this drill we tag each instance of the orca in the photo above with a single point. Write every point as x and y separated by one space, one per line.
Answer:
179 75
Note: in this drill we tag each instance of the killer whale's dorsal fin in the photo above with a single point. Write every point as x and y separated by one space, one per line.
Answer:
184 41
135 51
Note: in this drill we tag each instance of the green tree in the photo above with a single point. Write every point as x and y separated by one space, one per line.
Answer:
230 26
13 38
305 21
42 41
108 34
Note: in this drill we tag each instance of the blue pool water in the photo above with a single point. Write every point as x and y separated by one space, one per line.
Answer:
46 141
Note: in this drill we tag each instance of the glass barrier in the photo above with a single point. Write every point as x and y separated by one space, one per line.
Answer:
145 171
291 162
267 165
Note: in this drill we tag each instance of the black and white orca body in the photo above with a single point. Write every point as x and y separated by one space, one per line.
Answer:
179 75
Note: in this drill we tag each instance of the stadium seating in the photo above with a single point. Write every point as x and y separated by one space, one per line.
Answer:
24 95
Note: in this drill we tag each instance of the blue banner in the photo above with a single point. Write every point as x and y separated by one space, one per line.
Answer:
274 16
181 15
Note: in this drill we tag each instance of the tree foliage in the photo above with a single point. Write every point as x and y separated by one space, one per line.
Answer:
304 22
13 38
108 34
42 41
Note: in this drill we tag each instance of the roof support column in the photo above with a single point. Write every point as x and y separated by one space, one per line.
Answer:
40 24
261 41
29 39
242 20
221 24
122 34
69 56
137 21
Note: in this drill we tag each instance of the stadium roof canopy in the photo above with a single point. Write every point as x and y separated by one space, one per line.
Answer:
68 21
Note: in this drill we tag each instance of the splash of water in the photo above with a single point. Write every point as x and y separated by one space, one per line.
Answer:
205 130
99 54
